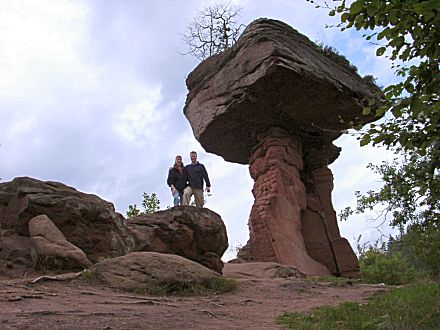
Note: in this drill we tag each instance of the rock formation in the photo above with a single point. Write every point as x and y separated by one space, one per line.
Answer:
86 220
137 270
275 101
197 234
49 248
48 225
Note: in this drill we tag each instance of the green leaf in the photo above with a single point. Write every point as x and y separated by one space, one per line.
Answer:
356 7
380 111
366 139
380 51
332 13
372 10
366 111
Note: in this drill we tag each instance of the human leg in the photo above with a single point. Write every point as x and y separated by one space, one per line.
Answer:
176 198
198 195
187 193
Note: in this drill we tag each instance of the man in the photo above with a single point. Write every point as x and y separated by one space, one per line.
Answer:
196 174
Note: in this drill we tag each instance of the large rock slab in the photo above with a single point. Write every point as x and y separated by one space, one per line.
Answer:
86 220
50 250
198 234
137 270
272 77
261 270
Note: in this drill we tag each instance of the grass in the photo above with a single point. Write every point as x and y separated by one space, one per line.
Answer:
412 307
179 288
206 287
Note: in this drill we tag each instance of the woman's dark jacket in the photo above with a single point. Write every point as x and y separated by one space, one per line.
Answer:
179 180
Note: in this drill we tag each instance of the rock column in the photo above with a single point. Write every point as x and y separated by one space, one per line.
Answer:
319 223
280 202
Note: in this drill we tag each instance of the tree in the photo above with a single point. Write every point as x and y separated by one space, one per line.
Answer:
213 30
150 204
407 32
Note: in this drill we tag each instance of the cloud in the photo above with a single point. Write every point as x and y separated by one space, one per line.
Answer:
92 95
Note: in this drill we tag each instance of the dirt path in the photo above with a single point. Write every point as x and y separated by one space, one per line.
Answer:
254 305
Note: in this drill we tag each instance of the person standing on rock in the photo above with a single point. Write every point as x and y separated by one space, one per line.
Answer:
177 180
196 174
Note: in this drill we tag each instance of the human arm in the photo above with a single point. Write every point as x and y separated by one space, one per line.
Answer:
206 178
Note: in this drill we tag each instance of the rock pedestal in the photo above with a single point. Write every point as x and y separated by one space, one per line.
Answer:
275 101
280 201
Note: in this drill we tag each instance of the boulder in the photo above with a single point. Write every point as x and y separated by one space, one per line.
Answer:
86 220
198 234
261 270
49 248
137 270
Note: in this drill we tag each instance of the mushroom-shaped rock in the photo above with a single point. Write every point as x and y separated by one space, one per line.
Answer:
272 77
275 101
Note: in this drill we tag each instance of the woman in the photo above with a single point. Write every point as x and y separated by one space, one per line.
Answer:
177 180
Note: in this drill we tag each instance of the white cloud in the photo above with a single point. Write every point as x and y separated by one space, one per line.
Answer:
138 120
38 39
92 93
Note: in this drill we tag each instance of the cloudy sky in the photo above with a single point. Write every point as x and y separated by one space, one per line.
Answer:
92 95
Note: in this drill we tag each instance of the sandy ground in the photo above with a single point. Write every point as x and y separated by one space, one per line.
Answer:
255 304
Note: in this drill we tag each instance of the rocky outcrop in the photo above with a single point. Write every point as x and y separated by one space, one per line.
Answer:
275 101
49 248
15 253
198 234
137 271
85 220
50 226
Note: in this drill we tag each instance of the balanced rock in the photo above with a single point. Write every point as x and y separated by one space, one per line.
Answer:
275 101
198 234
86 220
137 270
49 248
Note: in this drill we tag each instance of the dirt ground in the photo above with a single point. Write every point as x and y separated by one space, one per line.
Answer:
255 304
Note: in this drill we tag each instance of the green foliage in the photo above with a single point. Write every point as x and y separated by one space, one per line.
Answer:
379 264
408 33
409 194
150 205
415 307
420 246
334 55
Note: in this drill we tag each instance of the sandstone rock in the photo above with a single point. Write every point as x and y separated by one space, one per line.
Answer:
198 234
136 270
49 248
272 77
86 220
261 270
275 220
275 101
15 254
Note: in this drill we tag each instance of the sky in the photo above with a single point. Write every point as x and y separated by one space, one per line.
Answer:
92 95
